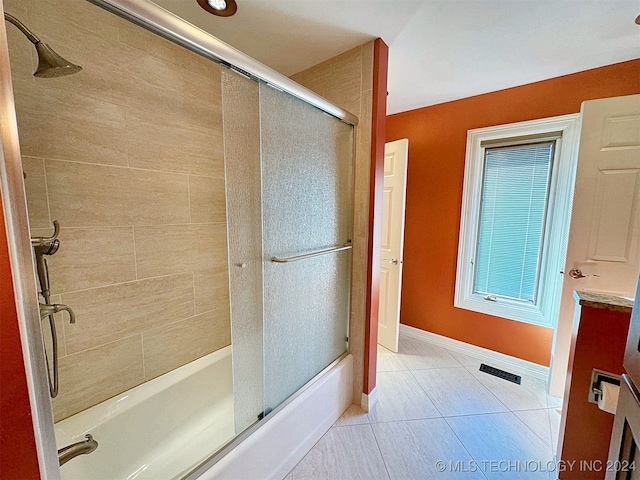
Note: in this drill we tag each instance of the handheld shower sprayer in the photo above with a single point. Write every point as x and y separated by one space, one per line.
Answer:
45 246
48 246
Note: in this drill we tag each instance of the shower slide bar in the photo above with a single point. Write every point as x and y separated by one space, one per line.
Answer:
339 248
173 28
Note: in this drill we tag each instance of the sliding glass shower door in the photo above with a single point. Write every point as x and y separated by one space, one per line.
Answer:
307 208
289 174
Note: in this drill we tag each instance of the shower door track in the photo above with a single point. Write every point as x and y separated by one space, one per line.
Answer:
173 28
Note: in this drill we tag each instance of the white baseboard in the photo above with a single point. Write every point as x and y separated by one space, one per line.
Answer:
495 359
368 401
276 447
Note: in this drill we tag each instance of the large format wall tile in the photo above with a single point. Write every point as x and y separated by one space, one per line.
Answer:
174 345
89 377
92 257
162 143
207 199
35 185
95 195
106 314
150 44
63 129
211 288
167 249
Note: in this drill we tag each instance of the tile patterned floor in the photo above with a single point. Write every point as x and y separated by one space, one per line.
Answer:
439 417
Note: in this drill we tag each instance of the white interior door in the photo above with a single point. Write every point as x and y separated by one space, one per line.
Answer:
604 239
395 188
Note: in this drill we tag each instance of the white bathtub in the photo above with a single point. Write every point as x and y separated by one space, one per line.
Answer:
159 430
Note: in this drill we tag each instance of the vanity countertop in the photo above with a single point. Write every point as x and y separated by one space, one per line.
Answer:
604 301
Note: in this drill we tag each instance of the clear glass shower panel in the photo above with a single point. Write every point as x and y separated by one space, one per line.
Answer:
307 206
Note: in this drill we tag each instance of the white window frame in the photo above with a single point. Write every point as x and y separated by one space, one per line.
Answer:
566 129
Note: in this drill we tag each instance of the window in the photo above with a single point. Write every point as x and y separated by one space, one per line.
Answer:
515 218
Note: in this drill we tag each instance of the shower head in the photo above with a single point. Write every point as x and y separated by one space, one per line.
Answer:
50 64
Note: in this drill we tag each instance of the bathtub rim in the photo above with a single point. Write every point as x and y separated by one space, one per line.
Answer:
94 416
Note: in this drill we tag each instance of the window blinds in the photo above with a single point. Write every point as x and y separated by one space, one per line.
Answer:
512 216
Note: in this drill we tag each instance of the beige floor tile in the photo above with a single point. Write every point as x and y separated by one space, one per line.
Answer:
502 447
539 423
531 394
454 391
554 402
400 397
464 360
354 415
419 355
554 421
413 450
389 361
344 453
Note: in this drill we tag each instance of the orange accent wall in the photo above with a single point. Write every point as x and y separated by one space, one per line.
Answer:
18 458
437 140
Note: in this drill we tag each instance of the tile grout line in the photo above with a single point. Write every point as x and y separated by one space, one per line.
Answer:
135 253
144 362
488 389
46 189
426 393
531 430
464 446
193 277
386 467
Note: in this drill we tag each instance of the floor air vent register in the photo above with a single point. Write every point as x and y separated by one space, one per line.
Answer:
496 372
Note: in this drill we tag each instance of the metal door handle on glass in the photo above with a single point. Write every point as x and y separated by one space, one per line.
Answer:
48 246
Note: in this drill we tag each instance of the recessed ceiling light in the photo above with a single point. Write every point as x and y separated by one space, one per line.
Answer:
221 8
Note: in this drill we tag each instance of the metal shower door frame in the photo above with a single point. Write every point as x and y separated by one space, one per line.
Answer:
164 23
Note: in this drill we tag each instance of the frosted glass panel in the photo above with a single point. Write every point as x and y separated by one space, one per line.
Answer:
241 115
307 201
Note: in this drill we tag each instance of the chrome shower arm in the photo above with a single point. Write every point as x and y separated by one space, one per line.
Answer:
28 33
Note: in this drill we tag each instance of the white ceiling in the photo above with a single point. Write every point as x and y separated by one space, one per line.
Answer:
439 50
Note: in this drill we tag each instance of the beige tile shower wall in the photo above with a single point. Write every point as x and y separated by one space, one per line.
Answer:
347 81
128 156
